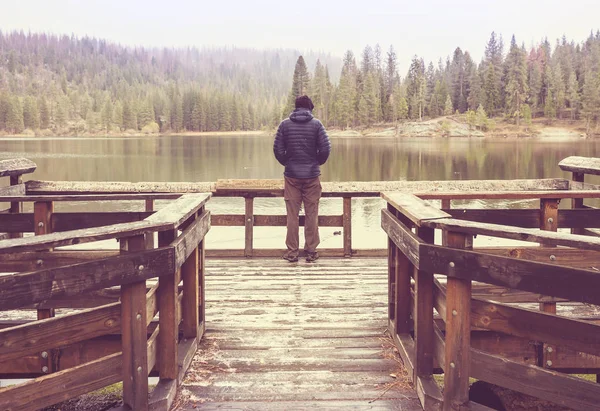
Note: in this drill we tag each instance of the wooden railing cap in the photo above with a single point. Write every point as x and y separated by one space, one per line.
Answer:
586 165
16 167
413 207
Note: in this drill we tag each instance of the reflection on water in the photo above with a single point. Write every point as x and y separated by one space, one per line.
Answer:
205 158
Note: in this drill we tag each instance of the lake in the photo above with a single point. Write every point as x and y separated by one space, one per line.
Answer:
208 158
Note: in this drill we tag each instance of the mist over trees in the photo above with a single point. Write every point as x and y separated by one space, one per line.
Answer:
81 85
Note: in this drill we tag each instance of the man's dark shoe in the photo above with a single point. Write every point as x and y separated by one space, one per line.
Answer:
312 257
290 258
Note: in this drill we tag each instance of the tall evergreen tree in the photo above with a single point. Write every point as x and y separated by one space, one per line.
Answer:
516 80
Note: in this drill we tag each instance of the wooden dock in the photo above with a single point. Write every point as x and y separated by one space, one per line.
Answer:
300 336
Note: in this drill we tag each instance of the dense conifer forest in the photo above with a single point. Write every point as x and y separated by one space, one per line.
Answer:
58 85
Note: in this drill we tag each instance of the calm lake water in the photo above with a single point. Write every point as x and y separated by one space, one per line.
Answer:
206 158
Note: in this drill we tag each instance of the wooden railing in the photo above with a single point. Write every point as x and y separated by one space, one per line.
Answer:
14 170
108 341
252 189
473 331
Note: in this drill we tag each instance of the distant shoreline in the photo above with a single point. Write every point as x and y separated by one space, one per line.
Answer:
442 127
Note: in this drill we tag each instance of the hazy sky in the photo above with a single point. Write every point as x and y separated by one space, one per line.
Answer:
429 28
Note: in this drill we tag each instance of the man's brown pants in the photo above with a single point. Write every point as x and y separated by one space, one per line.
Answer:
297 191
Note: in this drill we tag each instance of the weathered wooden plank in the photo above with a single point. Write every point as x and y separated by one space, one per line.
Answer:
190 303
580 335
414 208
180 210
576 164
402 404
571 283
423 314
574 393
188 241
407 242
458 330
134 338
85 235
347 224
249 226
88 197
74 221
402 269
508 195
529 218
578 179
272 220
169 328
16 190
257 188
19 290
570 257
58 331
521 234
16 167
278 252
17 223
105 187
63 385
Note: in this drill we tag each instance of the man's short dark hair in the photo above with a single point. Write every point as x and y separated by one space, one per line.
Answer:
304 102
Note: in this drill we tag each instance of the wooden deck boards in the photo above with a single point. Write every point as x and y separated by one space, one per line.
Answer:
299 336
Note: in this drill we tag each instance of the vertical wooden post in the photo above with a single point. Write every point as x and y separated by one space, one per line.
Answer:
446 205
548 222
391 280
249 222
201 288
149 236
577 202
42 221
424 314
458 333
347 221
15 207
402 268
189 274
167 305
134 337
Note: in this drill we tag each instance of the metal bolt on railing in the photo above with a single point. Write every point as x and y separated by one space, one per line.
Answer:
552 257
44 354
454 313
549 349
549 363
44 369
451 264
140 267
550 220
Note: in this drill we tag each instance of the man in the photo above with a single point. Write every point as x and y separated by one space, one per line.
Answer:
302 146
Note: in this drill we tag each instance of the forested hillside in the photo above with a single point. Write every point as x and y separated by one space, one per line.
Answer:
69 85
556 82
77 85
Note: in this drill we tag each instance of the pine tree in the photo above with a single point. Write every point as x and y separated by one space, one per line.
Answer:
44 114
146 114
129 117
300 84
590 99
448 106
14 116
415 88
117 116
107 115
516 80
197 113
60 114
573 95
31 117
